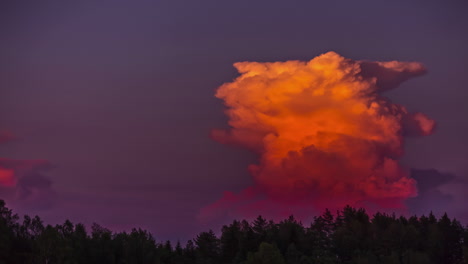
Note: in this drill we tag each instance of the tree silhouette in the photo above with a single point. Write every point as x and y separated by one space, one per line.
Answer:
351 236
266 254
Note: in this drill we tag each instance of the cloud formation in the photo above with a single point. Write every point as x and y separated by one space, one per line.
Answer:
438 192
22 182
324 134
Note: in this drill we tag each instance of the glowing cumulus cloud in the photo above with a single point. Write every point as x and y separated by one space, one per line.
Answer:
325 135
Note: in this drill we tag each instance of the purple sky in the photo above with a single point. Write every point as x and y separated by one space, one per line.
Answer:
119 95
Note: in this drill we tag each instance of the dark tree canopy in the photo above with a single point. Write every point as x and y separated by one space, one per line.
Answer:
349 236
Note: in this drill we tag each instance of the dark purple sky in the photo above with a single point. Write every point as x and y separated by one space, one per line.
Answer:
118 95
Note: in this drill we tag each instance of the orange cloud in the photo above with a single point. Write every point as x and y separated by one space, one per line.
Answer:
324 134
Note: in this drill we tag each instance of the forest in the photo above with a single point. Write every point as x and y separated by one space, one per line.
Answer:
347 236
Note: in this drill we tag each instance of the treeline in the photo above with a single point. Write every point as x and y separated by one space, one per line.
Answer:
350 237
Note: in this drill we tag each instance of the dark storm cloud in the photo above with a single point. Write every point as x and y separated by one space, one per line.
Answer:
22 182
34 190
387 77
28 187
431 195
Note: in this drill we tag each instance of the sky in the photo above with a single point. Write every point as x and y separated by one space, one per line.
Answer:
112 102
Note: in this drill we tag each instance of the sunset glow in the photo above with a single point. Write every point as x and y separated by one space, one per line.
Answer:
325 135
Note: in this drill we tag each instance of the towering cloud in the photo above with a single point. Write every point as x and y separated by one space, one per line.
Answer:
325 135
